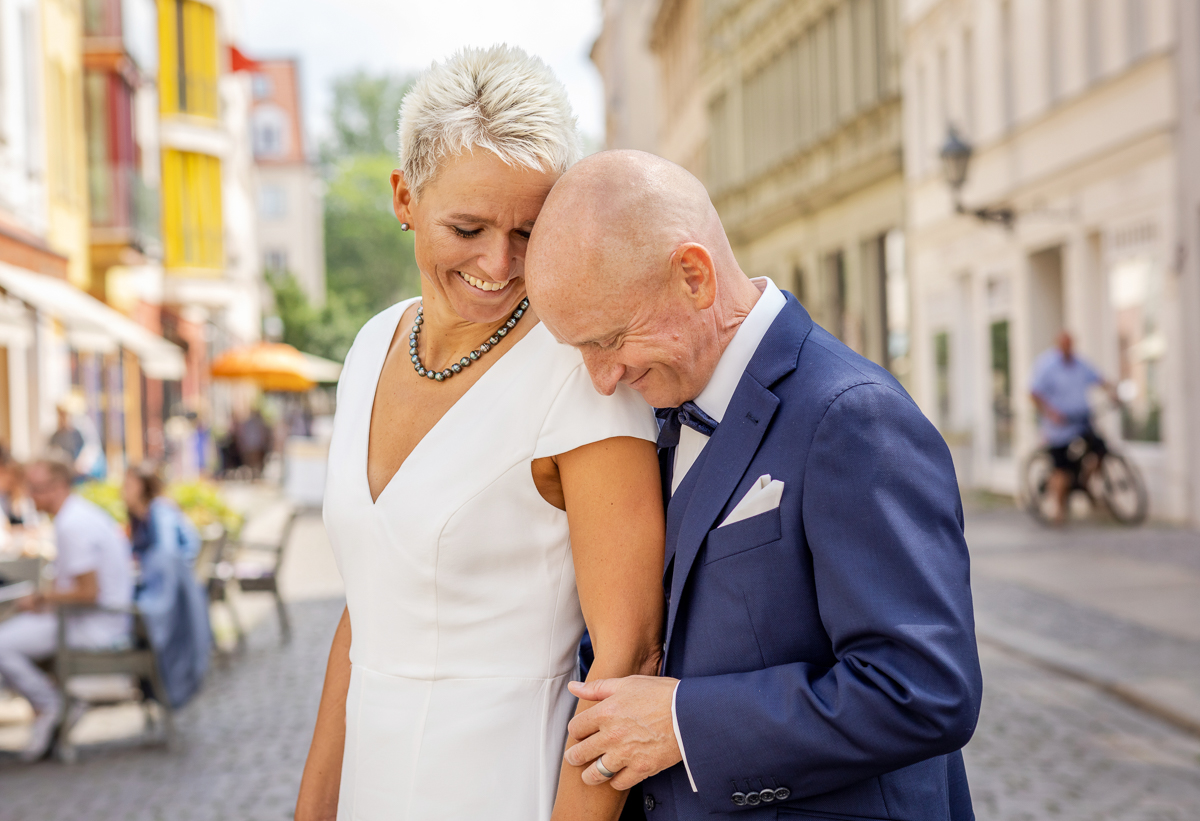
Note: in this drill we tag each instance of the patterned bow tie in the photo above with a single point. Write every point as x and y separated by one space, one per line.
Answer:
673 420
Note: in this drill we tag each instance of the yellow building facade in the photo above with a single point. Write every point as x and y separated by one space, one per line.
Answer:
66 148
189 70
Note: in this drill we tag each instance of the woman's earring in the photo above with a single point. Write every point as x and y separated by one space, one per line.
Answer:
404 226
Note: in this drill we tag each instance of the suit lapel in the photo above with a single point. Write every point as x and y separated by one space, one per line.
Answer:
706 490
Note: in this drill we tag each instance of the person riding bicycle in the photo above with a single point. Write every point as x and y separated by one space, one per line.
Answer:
1060 391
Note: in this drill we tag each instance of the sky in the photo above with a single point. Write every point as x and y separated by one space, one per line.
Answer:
333 37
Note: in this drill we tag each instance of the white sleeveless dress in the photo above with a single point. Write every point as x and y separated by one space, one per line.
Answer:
461 588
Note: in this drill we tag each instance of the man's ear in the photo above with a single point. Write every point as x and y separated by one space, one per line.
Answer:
402 197
692 266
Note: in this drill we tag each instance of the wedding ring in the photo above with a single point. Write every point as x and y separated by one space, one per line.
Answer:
604 771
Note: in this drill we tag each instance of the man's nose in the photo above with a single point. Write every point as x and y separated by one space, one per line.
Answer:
605 370
497 261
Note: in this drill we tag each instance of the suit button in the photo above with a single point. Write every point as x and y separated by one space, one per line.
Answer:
648 803
753 799
782 793
739 798
767 796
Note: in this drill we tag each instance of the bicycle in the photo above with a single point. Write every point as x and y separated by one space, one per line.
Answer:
1109 480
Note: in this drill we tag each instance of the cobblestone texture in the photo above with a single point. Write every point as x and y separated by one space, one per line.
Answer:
243 744
1051 748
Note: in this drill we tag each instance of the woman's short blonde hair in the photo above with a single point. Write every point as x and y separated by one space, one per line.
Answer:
501 99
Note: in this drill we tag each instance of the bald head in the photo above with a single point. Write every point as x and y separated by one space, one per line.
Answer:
628 251
620 215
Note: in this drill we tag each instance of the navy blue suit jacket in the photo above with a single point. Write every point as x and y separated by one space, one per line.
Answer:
826 647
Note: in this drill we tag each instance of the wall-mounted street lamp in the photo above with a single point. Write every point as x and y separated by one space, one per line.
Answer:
956 158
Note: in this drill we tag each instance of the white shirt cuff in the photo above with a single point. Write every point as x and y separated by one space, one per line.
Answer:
679 738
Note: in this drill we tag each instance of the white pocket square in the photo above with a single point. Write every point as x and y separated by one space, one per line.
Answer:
762 496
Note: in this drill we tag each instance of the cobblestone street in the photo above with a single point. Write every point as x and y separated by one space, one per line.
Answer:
1048 746
243 743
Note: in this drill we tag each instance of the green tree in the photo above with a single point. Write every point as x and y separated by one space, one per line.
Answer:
369 262
366 110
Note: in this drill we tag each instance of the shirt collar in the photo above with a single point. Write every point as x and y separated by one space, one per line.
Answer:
718 393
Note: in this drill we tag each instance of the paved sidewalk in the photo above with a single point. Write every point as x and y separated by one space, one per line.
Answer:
1116 607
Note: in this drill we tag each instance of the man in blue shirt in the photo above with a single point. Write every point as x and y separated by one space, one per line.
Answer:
1060 391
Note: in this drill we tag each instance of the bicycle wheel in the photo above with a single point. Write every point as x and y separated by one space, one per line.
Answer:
1036 486
1124 492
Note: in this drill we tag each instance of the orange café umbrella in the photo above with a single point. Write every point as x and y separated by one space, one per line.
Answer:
273 365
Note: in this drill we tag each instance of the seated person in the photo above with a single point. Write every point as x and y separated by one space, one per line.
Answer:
173 605
93 568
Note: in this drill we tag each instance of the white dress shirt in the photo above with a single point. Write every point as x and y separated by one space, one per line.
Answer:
714 400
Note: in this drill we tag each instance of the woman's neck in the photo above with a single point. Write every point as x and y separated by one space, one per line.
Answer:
446 337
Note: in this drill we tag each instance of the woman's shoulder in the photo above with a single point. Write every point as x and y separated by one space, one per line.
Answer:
578 413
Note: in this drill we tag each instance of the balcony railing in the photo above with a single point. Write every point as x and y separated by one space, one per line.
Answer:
124 207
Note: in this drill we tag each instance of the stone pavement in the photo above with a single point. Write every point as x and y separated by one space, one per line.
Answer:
243 744
1058 612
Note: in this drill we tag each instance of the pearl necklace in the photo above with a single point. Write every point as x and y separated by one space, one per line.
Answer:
457 367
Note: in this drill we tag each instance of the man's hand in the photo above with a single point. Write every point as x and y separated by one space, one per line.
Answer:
32 603
631 727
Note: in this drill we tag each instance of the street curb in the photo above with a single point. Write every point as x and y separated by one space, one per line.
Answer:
1087 668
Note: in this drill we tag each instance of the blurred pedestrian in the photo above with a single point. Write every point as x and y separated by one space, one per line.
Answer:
78 440
173 605
67 438
93 568
254 442
15 503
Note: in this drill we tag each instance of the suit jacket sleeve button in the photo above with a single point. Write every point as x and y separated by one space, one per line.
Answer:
767 796
753 799
739 798
782 793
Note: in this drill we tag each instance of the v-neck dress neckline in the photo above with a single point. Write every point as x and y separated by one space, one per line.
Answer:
461 586
435 429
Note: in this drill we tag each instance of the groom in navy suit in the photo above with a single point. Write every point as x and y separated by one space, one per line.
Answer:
819 658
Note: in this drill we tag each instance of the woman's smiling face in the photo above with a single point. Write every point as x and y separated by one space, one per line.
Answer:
471 227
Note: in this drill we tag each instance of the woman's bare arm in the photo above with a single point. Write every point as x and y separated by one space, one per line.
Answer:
614 507
322 779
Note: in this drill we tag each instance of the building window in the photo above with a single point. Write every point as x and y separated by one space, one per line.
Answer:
192 226
1008 91
276 260
896 304
1053 54
1136 293
1135 16
270 132
941 369
1093 55
835 294
272 202
261 86
187 78
1002 406
968 81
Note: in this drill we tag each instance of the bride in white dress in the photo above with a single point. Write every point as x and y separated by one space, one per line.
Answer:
483 500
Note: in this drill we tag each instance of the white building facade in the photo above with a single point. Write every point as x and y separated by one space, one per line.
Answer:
1082 116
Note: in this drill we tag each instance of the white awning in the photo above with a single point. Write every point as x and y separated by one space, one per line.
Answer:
88 316
322 370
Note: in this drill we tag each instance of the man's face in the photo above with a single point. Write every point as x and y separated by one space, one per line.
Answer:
47 492
651 338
